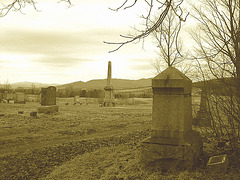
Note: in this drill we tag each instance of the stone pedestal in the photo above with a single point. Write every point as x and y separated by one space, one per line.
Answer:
48 109
109 96
168 154
173 143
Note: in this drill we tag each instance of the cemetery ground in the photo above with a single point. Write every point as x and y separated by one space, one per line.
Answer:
90 142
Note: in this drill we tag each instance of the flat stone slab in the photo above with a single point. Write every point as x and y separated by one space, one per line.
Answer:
48 109
217 164
170 155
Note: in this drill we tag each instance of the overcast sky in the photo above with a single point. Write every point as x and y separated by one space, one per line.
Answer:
62 45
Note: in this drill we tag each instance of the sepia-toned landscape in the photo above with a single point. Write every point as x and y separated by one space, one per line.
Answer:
89 142
120 90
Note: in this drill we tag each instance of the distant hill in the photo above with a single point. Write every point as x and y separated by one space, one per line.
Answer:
101 83
118 84
216 83
27 85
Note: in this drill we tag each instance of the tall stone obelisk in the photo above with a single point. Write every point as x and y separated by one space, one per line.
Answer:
109 96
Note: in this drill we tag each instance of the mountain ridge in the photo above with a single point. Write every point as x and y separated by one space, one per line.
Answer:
91 84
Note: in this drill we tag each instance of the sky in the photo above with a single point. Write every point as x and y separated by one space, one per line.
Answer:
57 44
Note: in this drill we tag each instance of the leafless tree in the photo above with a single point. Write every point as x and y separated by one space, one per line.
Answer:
7 86
18 5
219 37
163 8
218 50
169 46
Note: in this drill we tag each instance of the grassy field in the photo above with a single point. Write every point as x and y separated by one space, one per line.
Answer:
86 142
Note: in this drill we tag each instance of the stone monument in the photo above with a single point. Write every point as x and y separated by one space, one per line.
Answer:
173 144
203 115
77 100
109 96
20 97
48 100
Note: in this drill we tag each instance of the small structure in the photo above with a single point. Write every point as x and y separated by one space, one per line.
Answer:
12 97
8 97
20 112
48 100
109 94
48 96
33 114
173 143
217 164
77 100
203 115
20 97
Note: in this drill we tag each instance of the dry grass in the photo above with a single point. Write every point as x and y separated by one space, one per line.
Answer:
86 142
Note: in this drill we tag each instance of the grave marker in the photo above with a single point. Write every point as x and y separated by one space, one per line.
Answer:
217 164
203 115
20 97
48 96
48 100
172 140
109 94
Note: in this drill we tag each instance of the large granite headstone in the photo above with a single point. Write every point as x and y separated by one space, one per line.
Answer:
48 100
173 143
109 94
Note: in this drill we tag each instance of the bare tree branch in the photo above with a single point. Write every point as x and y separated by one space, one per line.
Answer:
164 8
146 32
18 5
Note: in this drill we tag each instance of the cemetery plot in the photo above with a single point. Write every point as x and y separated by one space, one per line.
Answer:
86 142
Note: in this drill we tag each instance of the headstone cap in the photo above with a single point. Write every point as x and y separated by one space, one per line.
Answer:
172 78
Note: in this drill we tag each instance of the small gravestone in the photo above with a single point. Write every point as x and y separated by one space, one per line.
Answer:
173 143
109 93
9 97
20 98
77 100
20 112
11 101
217 164
48 96
33 114
48 100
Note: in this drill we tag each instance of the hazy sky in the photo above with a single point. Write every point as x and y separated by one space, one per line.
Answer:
63 45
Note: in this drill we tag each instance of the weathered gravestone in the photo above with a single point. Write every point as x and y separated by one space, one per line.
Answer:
203 115
109 94
20 98
48 100
77 100
173 144
8 96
